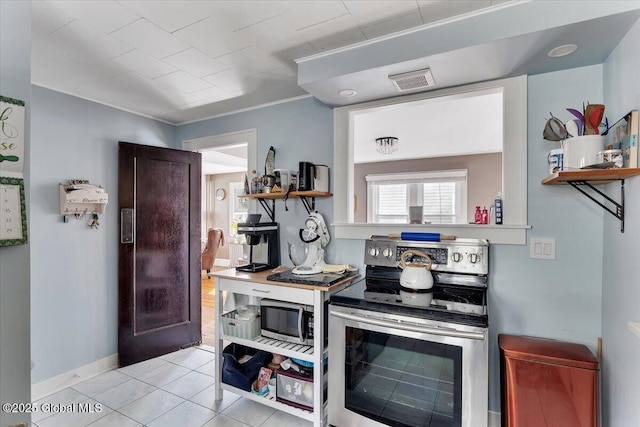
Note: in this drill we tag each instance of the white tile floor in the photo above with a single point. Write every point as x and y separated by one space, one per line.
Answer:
168 391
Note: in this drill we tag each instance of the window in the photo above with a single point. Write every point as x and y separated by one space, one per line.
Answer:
441 194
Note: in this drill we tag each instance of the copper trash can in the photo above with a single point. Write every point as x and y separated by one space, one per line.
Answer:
547 383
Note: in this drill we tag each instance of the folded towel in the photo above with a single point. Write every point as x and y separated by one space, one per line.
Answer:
337 268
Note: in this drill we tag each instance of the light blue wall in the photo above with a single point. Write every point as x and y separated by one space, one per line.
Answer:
555 299
15 82
74 286
300 130
620 287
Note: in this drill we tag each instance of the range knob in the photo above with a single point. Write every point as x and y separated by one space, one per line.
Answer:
456 256
474 258
387 253
374 252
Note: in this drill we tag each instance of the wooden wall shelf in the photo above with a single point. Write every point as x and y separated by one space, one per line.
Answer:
308 200
591 177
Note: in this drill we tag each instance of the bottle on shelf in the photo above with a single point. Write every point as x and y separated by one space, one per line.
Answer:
498 207
485 216
478 216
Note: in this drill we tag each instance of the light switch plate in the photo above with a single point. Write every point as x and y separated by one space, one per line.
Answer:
542 248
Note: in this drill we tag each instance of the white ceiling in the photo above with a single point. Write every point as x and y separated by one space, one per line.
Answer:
181 61
184 60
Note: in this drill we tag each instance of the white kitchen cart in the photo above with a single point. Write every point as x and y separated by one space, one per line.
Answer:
257 285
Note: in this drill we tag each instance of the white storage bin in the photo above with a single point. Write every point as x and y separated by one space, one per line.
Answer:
247 329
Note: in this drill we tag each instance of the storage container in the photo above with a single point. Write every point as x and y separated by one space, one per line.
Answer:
295 388
240 328
582 151
547 383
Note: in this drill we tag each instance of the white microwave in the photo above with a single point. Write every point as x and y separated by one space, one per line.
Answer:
287 321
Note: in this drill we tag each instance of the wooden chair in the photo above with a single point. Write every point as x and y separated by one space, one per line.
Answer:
215 238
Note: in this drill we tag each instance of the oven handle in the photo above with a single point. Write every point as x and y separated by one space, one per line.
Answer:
412 328
300 324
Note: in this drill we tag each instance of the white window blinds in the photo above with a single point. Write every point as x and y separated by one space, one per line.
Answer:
442 194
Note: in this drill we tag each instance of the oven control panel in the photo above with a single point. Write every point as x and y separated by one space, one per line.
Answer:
465 256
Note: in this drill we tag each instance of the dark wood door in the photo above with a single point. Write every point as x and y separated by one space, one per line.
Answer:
159 251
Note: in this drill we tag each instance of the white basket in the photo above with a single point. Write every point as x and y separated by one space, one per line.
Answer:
247 329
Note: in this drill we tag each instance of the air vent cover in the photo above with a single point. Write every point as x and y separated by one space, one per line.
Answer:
413 80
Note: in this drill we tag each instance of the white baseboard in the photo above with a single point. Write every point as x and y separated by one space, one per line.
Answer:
494 419
67 379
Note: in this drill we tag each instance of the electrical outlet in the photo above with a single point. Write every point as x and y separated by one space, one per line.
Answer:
542 248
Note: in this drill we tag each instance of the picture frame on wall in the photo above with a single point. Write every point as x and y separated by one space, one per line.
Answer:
13 215
624 136
11 137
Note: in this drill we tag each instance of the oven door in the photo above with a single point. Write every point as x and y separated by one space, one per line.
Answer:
386 369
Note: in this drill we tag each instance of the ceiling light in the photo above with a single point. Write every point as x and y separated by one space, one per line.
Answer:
564 50
386 144
346 92
419 79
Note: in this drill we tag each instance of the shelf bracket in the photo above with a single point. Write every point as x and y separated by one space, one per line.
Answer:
619 207
270 209
310 205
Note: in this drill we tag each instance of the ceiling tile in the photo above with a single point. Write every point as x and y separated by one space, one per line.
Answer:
144 64
303 14
170 15
104 16
211 38
150 38
391 26
338 40
435 10
195 62
175 97
272 35
372 12
183 81
134 82
77 39
213 94
252 61
46 18
235 15
232 81
328 28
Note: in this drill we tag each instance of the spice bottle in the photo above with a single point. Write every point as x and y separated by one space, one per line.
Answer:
478 216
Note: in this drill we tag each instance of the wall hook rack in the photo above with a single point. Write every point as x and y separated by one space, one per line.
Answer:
80 198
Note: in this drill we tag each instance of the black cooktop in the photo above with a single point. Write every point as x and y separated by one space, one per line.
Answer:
354 296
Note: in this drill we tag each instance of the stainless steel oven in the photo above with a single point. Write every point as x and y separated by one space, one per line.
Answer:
392 363
405 371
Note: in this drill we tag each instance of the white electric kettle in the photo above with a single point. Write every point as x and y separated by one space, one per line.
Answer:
416 274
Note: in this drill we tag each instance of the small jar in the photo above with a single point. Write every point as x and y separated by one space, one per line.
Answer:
611 156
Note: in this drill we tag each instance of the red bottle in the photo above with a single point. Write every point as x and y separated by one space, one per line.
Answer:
478 216
485 216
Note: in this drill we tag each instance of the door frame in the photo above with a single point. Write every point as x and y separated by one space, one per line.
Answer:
248 136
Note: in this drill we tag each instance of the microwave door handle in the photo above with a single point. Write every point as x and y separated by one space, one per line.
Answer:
447 332
300 324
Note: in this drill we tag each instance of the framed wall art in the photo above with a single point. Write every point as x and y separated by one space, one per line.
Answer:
11 137
13 212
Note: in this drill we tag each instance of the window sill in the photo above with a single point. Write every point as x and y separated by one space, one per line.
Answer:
495 234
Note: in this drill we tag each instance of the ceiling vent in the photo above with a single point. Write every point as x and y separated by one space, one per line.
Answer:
420 79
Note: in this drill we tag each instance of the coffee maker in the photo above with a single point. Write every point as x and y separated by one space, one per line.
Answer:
263 239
